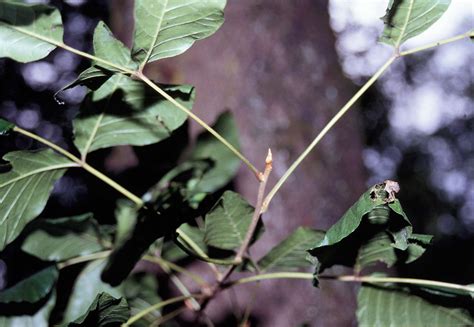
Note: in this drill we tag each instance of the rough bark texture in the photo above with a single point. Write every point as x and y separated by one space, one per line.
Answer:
274 64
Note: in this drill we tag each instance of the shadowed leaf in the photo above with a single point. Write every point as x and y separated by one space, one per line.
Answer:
228 221
291 253
31 289
104 311
124 111
63 238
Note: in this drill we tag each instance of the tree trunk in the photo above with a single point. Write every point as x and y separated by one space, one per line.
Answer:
274 65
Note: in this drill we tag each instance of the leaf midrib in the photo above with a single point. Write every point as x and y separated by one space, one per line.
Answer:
157 33
38 171
405 24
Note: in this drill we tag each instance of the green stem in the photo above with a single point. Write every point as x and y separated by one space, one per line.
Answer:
145 79
73 50
397 280
157 306
205 257
53 146
166 265
355 279
437 43
199 121
275 275
325 130
80 163
84 258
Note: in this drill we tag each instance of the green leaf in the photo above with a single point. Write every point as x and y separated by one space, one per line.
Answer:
351 220
380 248
168 28
5 127
88 285
374 229
25 29
31 289
39 318
104 311
405 19
395 306
107 47
227 223
24 190
140 290
225 163
63 238
124 111
126 214
292 252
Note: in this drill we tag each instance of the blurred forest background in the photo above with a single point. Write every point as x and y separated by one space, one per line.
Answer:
284 68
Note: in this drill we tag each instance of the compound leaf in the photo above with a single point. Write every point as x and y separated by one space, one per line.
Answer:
405 19
25 30
24 190
168 28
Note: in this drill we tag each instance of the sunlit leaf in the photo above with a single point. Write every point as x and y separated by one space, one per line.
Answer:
63 238
39 318
396 307
31 289
168 28
291 253
107 47
227 223
124 111
405 19
25 30
5 127
104 311
25 189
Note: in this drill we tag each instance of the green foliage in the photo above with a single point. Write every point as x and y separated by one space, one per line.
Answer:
63 238
24 190
87 286
124 111
228 221
5 127
398 307
120 109
292 252
207 147
37 319
104 311
168 28
25 30
31 289
408 18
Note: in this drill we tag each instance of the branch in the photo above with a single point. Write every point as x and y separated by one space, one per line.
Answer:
325 130
437 43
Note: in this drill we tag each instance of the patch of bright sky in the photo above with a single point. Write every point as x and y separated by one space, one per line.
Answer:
422 109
